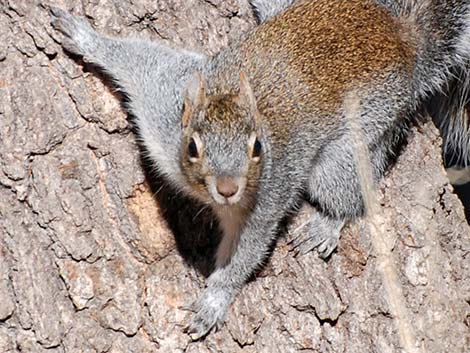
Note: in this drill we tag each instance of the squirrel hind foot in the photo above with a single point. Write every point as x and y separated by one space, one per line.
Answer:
322 233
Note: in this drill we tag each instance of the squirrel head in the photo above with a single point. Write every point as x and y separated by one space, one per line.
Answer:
222 147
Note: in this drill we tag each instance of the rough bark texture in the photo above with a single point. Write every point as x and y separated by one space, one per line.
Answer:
87 261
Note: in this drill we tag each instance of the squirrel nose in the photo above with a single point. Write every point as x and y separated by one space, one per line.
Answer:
226 187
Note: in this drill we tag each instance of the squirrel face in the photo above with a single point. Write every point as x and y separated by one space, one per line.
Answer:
222 147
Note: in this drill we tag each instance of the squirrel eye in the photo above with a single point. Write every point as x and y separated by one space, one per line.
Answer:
192 149
256 149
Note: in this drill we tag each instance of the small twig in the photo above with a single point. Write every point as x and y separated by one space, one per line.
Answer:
377 223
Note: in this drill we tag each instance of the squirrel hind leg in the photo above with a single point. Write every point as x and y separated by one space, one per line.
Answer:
322 233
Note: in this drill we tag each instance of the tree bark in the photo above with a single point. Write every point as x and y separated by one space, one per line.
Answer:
87 259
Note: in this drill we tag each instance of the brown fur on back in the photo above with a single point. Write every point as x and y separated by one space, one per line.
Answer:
315 52
332 43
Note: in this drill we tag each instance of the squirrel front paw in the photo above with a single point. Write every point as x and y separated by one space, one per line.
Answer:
209 313
78 36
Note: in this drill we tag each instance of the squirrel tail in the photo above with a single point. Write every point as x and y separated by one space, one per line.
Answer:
442 38
442 30
450 110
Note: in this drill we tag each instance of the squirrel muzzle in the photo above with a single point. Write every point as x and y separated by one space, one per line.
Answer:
226 190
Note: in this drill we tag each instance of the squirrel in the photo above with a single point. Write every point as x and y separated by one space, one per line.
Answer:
261 124
447 107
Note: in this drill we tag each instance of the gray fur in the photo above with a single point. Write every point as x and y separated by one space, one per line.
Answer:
449 110
443 39
135 66
448 103
326 168
322 233
154 76
444 65
266 9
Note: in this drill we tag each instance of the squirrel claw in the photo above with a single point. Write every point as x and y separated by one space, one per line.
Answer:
324 245
209 312
306 244
199 328
77 36
322 234
57 11
188 307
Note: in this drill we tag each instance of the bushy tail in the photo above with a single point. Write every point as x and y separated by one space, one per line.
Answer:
450 110
442 30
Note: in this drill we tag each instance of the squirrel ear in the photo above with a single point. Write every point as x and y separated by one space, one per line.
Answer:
195 97
246 96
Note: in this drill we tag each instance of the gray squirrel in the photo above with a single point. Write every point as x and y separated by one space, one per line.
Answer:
260 125
447 106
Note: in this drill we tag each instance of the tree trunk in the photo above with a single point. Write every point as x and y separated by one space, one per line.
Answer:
87 259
